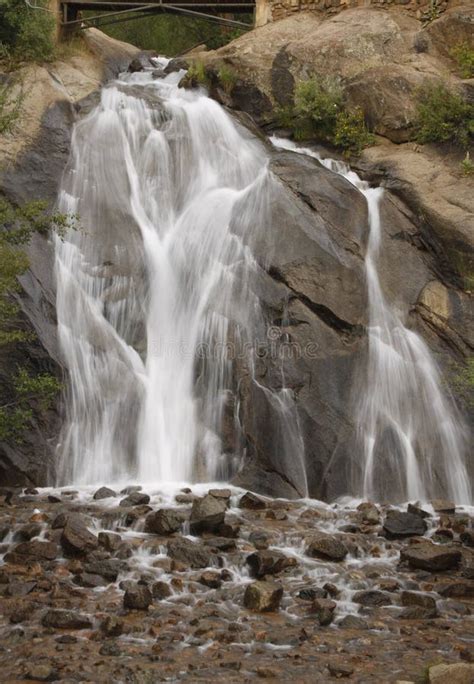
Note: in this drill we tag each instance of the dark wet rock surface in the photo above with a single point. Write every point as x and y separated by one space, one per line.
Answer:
92 591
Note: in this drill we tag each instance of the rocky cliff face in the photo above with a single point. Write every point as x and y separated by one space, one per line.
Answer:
32 159
428 217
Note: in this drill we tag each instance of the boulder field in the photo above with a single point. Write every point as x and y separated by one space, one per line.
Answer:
101 589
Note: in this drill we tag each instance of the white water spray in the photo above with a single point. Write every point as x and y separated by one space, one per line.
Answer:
155 298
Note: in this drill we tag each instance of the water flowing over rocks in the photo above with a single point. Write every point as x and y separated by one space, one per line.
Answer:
180 606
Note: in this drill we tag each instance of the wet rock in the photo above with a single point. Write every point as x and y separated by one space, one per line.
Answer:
263 596
176 64
443 506
66 619
220 493
165 521
141 62
110 541
467 567
324 611
457 588
398 524
32 552
90 581
264 563
327 547
131 489
134 514
185 498
431 557
190 553
211 579
312 594
389 585
331 589
340 670
207 514
372 598
260 539
27 532
137 597
415 598
66 639
20 589
52 498
231 530
110 648
443 535
41 672
161 590
353 622
135 499
459 673
109 568
369 513
252 502
416 510
76 540
221 544
418 613
467 538
104 493
112 626
60 520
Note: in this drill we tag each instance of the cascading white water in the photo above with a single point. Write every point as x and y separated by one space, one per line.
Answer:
155 288
414 443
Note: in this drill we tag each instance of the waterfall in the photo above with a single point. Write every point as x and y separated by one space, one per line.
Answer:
413 440
155 292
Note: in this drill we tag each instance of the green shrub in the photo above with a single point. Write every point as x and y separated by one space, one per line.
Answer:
17 225
351 133
443 116
467 166
463 54
319 113
317 104
11 99
227 77
29 392
197 75
25 33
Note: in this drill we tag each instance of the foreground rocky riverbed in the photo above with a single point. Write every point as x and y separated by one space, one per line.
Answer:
186 585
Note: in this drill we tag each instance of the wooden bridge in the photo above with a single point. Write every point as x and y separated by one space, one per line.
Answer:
105 12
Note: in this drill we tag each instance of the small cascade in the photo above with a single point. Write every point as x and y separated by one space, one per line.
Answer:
155 298
413 440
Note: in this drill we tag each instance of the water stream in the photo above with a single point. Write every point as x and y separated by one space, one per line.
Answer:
156 306
155 297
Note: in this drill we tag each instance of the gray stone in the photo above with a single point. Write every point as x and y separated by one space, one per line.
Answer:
431 557
76 540
398 524
104 493
137 597
326 547
66 619
165 521
264 563
190 553
207 514
263 596
135 499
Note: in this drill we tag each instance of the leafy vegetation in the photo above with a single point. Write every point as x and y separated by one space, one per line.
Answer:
463 54
25 395
17 225
467 165
11 99
26 34
463 382
320 113
444 116
227 77
172 35
32 395
351 133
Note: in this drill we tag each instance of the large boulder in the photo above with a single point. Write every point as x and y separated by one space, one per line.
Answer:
76 539
400 524
165 521
207 514
263 596
431 557
327 547
190 553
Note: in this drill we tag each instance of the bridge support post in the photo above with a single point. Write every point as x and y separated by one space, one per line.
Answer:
66 12
263 12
